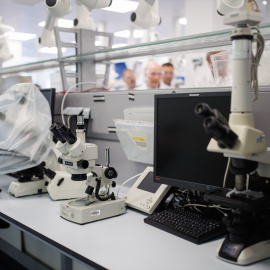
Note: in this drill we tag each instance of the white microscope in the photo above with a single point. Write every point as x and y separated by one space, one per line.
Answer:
248 223
56 9
24 128
50 177
33 181
79 158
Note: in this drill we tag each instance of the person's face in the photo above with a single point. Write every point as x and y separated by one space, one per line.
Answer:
167 73
129 79
153 75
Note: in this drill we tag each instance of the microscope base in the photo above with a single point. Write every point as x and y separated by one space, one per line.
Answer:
93 212
61 187
234 253
19 189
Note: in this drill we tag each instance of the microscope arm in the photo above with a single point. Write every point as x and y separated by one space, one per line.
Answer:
47 37
55 9
147 14
101 176
84 18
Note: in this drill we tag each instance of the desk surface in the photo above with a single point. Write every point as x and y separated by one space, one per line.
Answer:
123 242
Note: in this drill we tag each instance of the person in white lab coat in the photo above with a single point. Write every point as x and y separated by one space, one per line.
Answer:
167 76
153 74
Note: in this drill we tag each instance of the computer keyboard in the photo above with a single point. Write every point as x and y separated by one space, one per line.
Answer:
194 227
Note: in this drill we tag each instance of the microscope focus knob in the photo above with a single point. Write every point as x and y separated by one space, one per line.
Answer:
83 164
110 173
113 184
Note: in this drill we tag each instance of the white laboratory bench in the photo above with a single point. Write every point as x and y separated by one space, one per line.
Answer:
120 243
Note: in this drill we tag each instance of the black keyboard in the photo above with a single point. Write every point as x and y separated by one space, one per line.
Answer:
194 227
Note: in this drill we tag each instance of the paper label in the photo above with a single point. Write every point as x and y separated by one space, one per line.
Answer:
141 142
95 213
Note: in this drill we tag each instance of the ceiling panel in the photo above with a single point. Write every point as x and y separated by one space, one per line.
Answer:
27 2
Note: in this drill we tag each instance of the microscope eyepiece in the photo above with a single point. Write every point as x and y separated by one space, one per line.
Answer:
203 109
216 125
66 133
222 133
56 133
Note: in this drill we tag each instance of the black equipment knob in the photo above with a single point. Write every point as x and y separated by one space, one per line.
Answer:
60 160
89 190
83 164
110 173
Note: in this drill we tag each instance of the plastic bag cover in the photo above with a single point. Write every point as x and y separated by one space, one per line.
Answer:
25 119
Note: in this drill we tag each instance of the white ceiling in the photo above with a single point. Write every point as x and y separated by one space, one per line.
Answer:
27 2
24 16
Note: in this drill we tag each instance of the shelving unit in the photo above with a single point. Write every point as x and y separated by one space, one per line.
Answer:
84 42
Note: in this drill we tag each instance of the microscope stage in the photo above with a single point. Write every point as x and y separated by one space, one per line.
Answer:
95 211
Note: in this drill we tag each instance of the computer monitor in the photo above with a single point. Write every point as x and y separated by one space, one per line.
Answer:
49 94
181 158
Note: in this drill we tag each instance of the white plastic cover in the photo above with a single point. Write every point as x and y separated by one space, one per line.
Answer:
25 119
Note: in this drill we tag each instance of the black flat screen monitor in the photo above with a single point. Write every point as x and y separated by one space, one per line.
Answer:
181 158
49 94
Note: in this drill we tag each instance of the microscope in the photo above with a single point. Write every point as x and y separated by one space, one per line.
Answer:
84 17
49 176
248 222
79 158
55 9
147 14
24 140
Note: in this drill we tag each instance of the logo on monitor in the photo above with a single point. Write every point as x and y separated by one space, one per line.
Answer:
194 95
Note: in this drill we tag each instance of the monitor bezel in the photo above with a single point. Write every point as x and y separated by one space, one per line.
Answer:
52 99
176 182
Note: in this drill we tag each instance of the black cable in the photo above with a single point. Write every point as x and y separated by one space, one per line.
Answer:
111 196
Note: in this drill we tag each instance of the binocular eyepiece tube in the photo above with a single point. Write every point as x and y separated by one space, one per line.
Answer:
63 133
216 126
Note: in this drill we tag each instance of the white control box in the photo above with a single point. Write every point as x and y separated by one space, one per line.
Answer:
145 195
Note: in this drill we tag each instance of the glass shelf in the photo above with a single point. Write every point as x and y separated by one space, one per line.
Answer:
189 43
30 66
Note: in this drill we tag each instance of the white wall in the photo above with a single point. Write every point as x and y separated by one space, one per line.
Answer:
202 18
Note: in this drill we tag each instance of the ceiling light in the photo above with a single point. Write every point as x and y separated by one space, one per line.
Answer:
123 34
61 23
21 36
126 33
52 50
264 2
119 45
183 21
122 6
